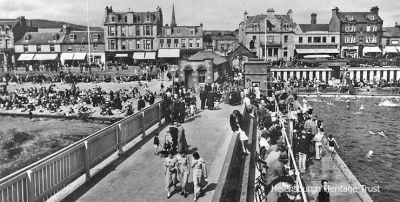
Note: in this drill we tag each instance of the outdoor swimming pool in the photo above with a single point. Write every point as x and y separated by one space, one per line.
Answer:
356 132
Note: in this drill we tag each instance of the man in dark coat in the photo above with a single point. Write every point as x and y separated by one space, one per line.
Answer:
141 103
174 136
203 98
182 144
210 100
181 109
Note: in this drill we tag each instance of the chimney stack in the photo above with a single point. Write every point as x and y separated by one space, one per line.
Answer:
313 18
290 14
375 10
335 11
270 12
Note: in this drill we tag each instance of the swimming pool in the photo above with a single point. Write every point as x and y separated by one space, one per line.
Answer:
356 132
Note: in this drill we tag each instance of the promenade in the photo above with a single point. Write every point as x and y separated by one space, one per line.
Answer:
139 176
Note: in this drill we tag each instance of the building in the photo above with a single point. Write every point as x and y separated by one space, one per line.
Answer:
11 30
179 41
201 68
225 44
391 41
40 47
315 41
269 35
131 35
75 48
360 32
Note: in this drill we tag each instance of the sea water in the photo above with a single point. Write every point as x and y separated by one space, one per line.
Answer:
356 132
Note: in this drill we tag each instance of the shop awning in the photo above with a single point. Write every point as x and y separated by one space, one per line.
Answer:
66 56
150 56
121 55
79 56
26 57
390 49
169 53
41 57
317 56
317 51
371 50
138 55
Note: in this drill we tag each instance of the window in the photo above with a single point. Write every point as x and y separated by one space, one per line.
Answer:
95 46
138 44
147 31
368 28
192 31
333 39
190 43
395 42
197 43
285 38
123 31
39 48
309 39
169 43
275 52
300 39
285 54
25 48
112 31
202 74
96 37
374 28
148 18
349 39
72 36
69 47
371 17
176 43
149 44
349 17
131 30
123 44
7 30
317 39
254 37
52 48
270 39
370 39
55 37
126 18
137 28
113 45
183 42
8 43
324 39
112 18
162 43
350 28
27 37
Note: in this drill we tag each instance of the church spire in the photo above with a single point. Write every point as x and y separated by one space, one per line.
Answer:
173 22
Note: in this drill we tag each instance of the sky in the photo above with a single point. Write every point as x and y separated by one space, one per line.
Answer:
214 14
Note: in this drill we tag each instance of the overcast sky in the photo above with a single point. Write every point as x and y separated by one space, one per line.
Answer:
215 14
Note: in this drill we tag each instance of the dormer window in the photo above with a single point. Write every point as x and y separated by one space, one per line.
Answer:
7 29
148 18
55 37
126 18
192 31
72 37
349 17
112 18
27 37
371 17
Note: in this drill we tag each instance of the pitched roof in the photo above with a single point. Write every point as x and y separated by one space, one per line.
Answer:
357 16
80 37
182 31
8 22
38 38
314 27
391 31
260 18
207 54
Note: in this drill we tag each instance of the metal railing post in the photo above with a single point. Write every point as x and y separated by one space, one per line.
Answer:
87 162
30 186
120 140
143 128
159 114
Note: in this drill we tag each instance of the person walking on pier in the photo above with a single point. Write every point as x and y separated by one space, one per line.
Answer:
171 165
331 146
182 144
318 143
183 172
323 195
199 174
203 98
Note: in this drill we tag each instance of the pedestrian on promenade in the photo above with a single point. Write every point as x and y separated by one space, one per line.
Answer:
318 143
183 172
156 143
331 146
303 150
323 195
199 174
203 98
171 168
236 121
182 143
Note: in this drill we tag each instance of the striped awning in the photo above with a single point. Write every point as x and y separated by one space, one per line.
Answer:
42 57
150 56
79 56
374 49
138 55
66 56
26 57
390 49
168 53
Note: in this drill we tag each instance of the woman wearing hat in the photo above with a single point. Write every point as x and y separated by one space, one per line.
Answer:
199 173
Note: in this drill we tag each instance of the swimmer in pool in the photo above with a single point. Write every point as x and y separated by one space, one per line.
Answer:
382 134
348 106
362 107
370 154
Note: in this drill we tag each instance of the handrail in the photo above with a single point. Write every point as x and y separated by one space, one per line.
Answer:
297 173
77 143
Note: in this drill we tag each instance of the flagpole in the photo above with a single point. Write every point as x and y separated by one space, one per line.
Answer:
88 37
265 39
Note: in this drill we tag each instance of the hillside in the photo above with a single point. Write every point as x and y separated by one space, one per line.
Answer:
40 23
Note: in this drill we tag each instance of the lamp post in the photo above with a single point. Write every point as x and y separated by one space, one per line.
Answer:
174 71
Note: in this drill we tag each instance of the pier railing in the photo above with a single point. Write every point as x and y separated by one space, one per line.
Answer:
44 178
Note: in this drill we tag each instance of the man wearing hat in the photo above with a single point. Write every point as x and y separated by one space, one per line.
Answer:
276 150
262 111
276 170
